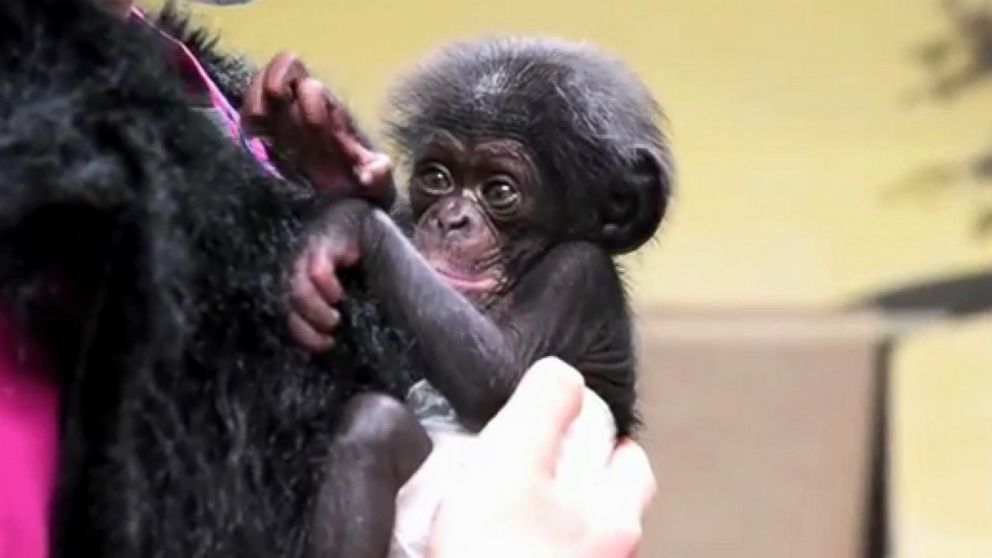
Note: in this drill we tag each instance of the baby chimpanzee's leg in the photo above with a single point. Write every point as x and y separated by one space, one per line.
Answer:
378 448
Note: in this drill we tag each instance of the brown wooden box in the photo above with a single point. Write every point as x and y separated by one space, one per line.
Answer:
766 432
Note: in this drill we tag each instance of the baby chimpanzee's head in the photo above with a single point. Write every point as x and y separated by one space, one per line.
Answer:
516 144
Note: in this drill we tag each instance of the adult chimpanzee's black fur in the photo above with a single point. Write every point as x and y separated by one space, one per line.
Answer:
148 252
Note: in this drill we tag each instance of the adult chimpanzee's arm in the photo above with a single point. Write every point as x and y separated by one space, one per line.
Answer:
475 361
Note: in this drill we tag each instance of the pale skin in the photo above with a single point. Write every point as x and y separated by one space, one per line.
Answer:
507 486
519 498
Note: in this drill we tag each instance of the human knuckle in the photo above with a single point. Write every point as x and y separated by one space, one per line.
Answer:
627 535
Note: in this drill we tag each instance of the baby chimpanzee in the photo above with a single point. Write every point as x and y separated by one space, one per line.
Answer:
532 164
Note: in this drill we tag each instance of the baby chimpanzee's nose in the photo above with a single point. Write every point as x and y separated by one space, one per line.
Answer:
454 218
454 221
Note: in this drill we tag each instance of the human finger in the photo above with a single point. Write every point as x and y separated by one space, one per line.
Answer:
629 479
625 490
533 422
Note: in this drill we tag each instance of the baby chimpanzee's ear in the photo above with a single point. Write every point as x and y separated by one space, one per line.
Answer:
634 208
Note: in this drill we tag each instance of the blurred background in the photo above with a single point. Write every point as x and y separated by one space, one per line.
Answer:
815 326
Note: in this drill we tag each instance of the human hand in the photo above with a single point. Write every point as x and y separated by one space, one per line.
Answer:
507 501
312 129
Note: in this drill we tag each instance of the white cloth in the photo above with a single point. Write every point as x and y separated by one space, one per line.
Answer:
586 448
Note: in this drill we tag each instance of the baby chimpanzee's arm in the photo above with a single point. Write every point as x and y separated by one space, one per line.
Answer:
569 305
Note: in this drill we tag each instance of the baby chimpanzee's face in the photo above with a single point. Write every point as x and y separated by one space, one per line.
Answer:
475 204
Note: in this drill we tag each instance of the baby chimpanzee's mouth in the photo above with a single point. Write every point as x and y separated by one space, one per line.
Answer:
463 281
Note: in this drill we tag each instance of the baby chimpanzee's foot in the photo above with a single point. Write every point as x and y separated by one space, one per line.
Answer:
380 445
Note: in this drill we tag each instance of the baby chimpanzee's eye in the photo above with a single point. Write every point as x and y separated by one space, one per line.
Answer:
500 195
435 179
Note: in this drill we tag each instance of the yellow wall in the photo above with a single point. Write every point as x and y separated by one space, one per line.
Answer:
943 441
790 120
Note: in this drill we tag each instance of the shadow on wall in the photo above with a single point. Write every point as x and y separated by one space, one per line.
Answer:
957 296
955 64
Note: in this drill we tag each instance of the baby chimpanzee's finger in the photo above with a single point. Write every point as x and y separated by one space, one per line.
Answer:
307 301
311 306
308 337
324 278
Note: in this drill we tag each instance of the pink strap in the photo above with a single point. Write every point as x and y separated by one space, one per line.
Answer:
217 98
28 445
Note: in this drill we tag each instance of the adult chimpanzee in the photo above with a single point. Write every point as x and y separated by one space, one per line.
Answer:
147 253
532 163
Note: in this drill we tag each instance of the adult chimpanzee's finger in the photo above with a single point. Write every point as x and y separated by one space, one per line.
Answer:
375 173
253 113
282 76
533 422
328 118
315 104
376 180
269 92
343 134
308 337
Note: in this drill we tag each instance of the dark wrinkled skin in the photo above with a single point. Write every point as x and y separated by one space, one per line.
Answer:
532 163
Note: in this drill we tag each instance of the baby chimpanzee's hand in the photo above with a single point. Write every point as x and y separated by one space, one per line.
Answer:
313 131
315 289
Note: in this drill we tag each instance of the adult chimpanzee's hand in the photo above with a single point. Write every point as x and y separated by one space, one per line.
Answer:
313 131
507 502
